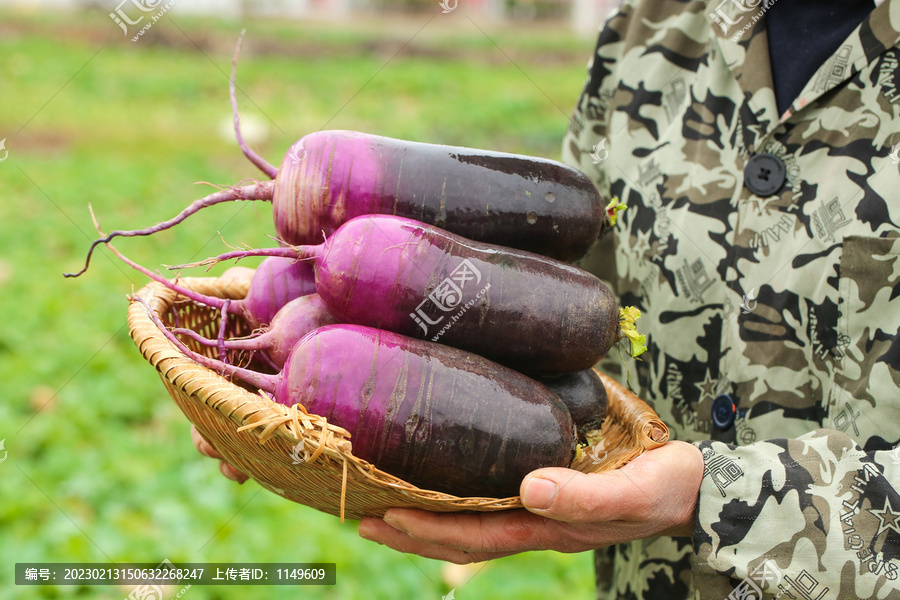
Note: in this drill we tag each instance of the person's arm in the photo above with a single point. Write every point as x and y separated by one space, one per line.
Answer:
798 515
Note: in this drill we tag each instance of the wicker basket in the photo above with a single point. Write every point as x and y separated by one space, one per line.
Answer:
301 457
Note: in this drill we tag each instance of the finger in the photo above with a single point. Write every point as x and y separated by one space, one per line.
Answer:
379 531
231 473
652 488
506 531
573 497
202 446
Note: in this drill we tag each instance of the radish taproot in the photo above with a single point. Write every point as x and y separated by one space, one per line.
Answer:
329 177
435 416
528 312
295 319
261 163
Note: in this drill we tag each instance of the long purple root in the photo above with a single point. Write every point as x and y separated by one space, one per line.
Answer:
258 191
264 382
255 158
211 301
294 252
253 344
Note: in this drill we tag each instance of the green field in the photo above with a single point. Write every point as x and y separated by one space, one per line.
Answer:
100 466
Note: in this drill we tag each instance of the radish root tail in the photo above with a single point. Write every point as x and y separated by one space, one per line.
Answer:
259 191
261 163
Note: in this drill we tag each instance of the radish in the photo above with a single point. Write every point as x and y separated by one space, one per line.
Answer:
584 395
274 285
528 312
437 417
295 319
329 177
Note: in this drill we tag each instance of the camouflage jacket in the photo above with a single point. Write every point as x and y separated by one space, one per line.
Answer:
763 251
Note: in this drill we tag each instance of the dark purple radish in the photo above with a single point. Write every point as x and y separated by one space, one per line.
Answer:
295 319
329 177
528 312
436 417
584 395
512 200
273 286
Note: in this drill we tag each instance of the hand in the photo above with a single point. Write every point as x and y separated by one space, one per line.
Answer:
565 510
204 448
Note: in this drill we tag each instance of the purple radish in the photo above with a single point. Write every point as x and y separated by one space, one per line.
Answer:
273 286
518 201
329 177
528 312
584 395
295 319
437 417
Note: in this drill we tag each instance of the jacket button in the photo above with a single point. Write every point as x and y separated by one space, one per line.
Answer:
764 174
723 411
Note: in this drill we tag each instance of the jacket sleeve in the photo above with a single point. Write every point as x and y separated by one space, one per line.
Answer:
814 518
585 145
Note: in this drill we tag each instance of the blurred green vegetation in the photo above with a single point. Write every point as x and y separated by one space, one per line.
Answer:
100 464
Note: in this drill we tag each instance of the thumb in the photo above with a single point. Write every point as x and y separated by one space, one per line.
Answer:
571 496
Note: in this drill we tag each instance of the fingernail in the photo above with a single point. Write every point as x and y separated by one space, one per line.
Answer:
393 522
539 493
365 535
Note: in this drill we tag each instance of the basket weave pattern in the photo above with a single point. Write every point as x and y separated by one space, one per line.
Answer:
300 456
